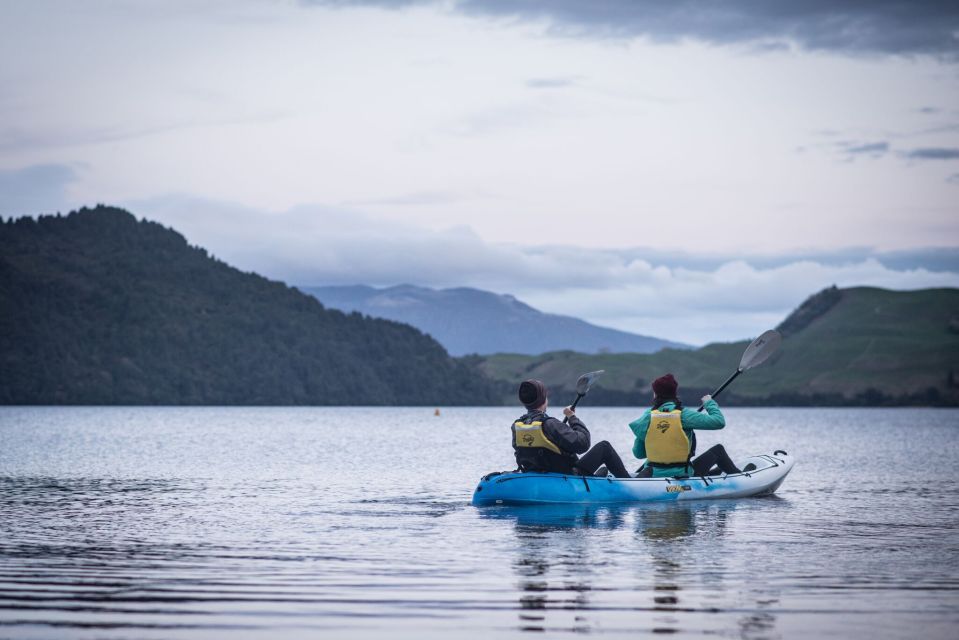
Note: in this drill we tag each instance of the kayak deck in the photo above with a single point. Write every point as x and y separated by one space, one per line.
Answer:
515 488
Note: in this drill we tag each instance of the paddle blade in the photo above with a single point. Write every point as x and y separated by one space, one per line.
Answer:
586 381
760 349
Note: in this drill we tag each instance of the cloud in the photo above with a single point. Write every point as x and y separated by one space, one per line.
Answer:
945 128
506 117
671 294
18 138
735 301
315 244
416 198
381 4
874 149
558 82
853 148
38 188
932 153
926 258
930 258
845 26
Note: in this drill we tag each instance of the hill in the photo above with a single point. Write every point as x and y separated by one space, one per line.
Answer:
466 321
99 308
856 346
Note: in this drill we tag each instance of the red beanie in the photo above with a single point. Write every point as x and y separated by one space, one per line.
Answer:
665 386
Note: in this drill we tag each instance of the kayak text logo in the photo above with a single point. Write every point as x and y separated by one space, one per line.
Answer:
677 488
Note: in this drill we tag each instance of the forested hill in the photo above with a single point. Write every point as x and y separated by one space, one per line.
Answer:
99 308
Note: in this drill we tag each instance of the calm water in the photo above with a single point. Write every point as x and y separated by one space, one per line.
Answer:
351 522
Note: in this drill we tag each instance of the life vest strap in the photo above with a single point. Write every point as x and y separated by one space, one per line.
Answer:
663 465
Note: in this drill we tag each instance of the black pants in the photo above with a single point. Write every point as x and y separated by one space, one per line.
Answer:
703 465
602 453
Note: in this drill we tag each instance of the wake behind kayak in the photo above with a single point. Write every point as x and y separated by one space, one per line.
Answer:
766 473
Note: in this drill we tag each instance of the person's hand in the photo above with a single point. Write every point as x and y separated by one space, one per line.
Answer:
569 411
706 398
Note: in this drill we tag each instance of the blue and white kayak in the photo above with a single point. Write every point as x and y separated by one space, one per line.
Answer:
516 488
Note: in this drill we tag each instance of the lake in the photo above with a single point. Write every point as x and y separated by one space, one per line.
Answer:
355 523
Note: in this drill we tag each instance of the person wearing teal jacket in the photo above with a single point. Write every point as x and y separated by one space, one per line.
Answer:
665 399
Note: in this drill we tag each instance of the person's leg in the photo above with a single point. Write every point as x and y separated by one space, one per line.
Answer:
602 453
590 461
715 456
724 462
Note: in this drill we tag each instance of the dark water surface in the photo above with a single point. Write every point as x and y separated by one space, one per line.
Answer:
354 522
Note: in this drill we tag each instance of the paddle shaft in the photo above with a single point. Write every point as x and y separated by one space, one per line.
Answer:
756 353
573 406
582 388
579 396
722 386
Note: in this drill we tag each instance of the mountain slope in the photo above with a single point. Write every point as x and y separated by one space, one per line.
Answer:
98 308
466 320
860 345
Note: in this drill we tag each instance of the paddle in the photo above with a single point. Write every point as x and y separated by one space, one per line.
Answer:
756 353
583 384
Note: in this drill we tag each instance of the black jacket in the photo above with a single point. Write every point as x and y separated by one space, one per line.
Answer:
571 438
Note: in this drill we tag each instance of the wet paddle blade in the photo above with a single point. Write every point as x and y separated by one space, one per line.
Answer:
586 381
760 349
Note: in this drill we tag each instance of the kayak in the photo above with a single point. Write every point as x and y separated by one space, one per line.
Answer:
762 475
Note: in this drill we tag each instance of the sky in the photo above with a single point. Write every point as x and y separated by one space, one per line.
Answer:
691 170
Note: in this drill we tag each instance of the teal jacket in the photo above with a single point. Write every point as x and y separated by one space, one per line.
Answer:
713 419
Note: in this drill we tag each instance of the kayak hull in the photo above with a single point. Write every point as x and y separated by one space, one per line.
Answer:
516 488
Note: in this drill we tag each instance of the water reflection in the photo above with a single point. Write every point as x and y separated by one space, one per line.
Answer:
666 522
660 525
553 567
679 576
661 529
552 575
680 557
560 516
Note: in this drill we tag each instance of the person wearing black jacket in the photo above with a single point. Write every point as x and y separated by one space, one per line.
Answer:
543 443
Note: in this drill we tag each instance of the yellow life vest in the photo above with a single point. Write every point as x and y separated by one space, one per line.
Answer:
530 435
666 442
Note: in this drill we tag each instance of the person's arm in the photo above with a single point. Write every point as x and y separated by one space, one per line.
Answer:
639 427
711 419
571 437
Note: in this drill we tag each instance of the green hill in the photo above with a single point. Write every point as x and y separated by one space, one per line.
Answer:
859 346
99 308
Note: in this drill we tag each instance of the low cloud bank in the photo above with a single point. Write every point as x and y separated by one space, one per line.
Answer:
693 299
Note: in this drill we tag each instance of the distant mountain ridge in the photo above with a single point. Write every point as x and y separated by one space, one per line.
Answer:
467 321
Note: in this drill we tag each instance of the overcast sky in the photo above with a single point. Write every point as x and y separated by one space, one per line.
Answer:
690 169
